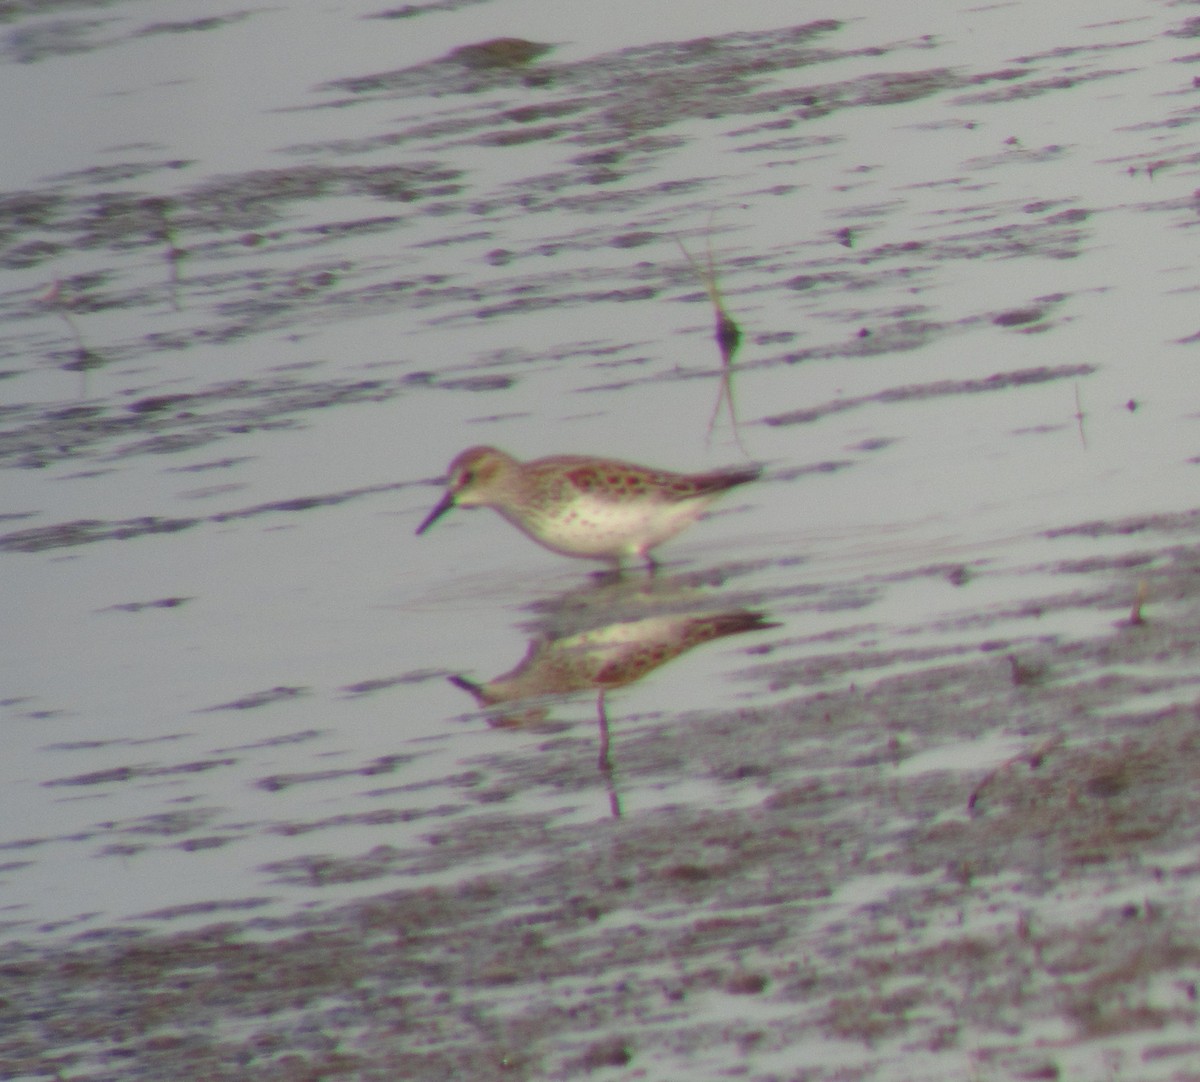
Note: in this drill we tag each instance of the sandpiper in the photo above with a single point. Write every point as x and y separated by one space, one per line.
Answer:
576 505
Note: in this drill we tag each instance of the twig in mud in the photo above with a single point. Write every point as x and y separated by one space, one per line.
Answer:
728 336
174 254
1136 619
56 300
1026 672
1079 415
1032 758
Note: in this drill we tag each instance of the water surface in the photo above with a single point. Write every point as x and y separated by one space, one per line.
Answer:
912 790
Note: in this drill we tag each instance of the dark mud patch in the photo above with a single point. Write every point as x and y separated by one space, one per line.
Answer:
36 39
1184 522
791 473
258 699
384 683
922 392
34 436
647 88
739 59
218 214
89 531
139 771
282 740
333 870
426 7
140 606
387 764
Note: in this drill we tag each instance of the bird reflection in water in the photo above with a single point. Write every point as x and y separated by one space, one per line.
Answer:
589 644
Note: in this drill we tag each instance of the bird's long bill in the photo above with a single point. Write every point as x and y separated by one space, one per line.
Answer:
444 505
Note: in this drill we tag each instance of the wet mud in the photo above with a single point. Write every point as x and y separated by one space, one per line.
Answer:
847 904
939 844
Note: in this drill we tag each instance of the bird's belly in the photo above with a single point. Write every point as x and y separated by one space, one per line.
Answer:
606 530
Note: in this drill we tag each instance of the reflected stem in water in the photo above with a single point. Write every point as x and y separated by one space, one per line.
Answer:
728 336
174 255
56 300
605 762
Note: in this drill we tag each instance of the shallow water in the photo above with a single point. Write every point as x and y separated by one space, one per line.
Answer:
912 790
